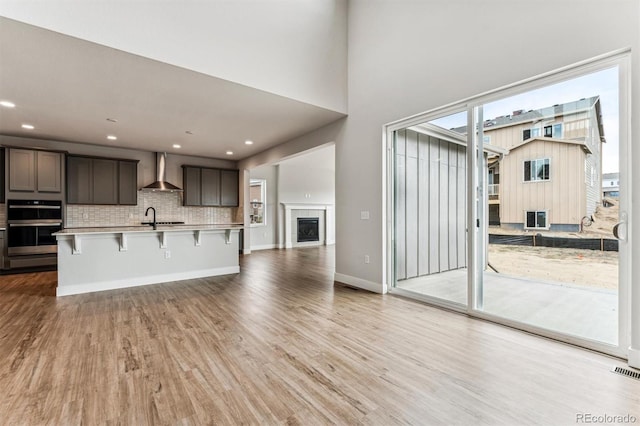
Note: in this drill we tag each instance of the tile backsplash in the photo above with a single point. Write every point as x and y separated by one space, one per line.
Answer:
168 207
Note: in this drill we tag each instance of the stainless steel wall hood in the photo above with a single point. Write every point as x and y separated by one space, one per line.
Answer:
160 184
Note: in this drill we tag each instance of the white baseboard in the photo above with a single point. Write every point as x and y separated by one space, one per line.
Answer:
264 247
634 357
360 283
68 290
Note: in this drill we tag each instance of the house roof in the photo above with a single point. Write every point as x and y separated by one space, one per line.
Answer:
454 137
613 176
521 116
582 144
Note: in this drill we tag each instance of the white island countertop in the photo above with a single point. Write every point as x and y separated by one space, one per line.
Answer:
115 257
146 228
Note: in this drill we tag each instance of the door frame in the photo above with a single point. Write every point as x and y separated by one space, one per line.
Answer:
475 239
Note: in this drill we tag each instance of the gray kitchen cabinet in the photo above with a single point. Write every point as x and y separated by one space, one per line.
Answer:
229 188
207 186
49 171
22 170
104 181
2 176
192 186
79 188
128 182
34 171
2 249
210 185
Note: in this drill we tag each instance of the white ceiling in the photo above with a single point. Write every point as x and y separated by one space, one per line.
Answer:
67 88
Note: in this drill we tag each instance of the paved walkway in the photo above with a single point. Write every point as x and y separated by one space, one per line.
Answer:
581 311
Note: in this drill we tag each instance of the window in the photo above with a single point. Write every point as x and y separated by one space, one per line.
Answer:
553 130
258 201
536 219
535 170
533 132
486 139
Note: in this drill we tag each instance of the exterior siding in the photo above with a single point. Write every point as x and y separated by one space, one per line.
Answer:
430 205
573 191
562 196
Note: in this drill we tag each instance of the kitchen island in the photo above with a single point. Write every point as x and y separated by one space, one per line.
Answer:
97 259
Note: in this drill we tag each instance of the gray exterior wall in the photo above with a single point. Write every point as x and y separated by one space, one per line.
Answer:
430 205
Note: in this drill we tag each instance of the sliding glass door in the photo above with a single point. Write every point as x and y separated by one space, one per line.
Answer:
551 258
513 206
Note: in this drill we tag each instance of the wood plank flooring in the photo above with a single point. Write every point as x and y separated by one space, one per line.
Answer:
279 343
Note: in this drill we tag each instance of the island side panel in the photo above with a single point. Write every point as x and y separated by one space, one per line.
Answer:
102 265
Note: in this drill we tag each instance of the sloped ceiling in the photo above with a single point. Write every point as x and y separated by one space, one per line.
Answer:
67 88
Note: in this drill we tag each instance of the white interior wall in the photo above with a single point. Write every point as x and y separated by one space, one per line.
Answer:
308 178
294 48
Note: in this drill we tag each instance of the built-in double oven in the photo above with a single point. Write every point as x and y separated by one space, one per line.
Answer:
31 225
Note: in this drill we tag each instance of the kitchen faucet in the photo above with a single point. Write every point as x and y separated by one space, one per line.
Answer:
146 213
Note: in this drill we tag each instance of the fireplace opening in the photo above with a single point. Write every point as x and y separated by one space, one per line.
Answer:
308 229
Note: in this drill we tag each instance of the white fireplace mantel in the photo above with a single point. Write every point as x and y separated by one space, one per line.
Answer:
328 220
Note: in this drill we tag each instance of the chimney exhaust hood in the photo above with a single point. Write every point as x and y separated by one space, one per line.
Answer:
161 185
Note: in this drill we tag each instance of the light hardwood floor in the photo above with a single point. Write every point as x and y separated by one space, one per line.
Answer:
279 343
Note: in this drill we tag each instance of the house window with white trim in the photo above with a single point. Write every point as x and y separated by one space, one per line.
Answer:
258 198
536 170
553 131
536 219
533 132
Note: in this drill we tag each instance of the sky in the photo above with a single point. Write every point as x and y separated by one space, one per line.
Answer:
602 83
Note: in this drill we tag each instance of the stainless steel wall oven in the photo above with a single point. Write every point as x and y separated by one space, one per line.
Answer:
30 226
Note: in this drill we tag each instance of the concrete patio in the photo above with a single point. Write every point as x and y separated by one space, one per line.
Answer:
580 311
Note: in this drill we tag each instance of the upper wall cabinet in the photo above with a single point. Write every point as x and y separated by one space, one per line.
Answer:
205 186
35 171
95 180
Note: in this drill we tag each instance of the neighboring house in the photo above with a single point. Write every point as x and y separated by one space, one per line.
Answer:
526 190
611 185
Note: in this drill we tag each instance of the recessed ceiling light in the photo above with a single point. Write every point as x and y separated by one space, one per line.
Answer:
175 145
229 152
248 142
112 138
113 120
28 126
7 104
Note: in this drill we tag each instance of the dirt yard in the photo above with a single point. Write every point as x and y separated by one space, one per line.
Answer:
576 267
573 266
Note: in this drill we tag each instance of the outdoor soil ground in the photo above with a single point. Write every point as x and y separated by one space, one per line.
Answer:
590 268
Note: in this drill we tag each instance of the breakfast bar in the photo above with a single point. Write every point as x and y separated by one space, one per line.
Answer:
97 259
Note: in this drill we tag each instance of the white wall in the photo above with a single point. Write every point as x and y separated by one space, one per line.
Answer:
294 48
406 57
308 178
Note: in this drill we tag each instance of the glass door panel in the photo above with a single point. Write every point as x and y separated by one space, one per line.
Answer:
430 210
550 259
